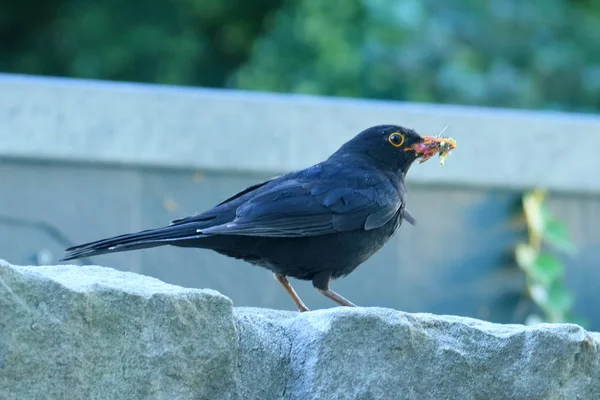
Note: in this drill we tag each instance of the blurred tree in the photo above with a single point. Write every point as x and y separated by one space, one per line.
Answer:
510 53
192 42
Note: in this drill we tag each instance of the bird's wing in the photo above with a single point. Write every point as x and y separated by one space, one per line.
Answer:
219 208
308 208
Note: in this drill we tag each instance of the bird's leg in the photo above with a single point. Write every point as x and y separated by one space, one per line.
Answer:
290 290
321 283
337 298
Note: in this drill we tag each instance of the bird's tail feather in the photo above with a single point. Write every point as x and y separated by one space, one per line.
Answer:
134 241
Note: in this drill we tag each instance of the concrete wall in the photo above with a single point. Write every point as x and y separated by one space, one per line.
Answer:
83 160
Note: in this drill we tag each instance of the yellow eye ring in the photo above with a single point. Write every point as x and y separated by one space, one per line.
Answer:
396 139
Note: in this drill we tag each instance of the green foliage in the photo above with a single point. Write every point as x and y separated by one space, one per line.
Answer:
508 53
191 42
544 271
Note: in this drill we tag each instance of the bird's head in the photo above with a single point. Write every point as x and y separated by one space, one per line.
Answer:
395 148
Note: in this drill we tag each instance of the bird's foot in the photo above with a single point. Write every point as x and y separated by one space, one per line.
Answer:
302 308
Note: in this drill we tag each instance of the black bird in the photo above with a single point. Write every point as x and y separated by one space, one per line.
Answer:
317 223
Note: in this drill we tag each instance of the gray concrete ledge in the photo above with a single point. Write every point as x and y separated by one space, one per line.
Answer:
150 125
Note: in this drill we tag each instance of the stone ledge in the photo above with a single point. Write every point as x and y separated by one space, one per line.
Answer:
82 121
74 332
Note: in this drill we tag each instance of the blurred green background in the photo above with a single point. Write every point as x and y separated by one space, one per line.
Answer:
510 53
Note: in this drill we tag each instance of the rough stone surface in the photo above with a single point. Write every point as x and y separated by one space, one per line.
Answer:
97 333
71 332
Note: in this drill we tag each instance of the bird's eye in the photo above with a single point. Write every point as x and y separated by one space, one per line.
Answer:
396 139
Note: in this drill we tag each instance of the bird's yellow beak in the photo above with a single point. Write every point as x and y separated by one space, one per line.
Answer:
432 145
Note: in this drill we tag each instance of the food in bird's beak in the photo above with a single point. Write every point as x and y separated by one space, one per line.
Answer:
431 146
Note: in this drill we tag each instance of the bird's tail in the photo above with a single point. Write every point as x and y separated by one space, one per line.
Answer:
134 241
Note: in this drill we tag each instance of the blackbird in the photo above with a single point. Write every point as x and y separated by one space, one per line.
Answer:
317 223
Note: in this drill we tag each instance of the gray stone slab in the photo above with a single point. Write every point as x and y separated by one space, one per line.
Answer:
70 332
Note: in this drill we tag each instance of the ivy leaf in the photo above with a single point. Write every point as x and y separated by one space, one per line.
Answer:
555 233
546 216
559 298
525 256
534 211
546 269
538 294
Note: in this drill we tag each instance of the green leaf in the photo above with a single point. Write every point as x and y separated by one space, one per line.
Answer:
546 269
534 211
555 233
525 256
559 298
538 294
545 213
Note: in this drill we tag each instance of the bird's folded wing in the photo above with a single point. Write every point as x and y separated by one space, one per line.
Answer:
307 209
214 212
